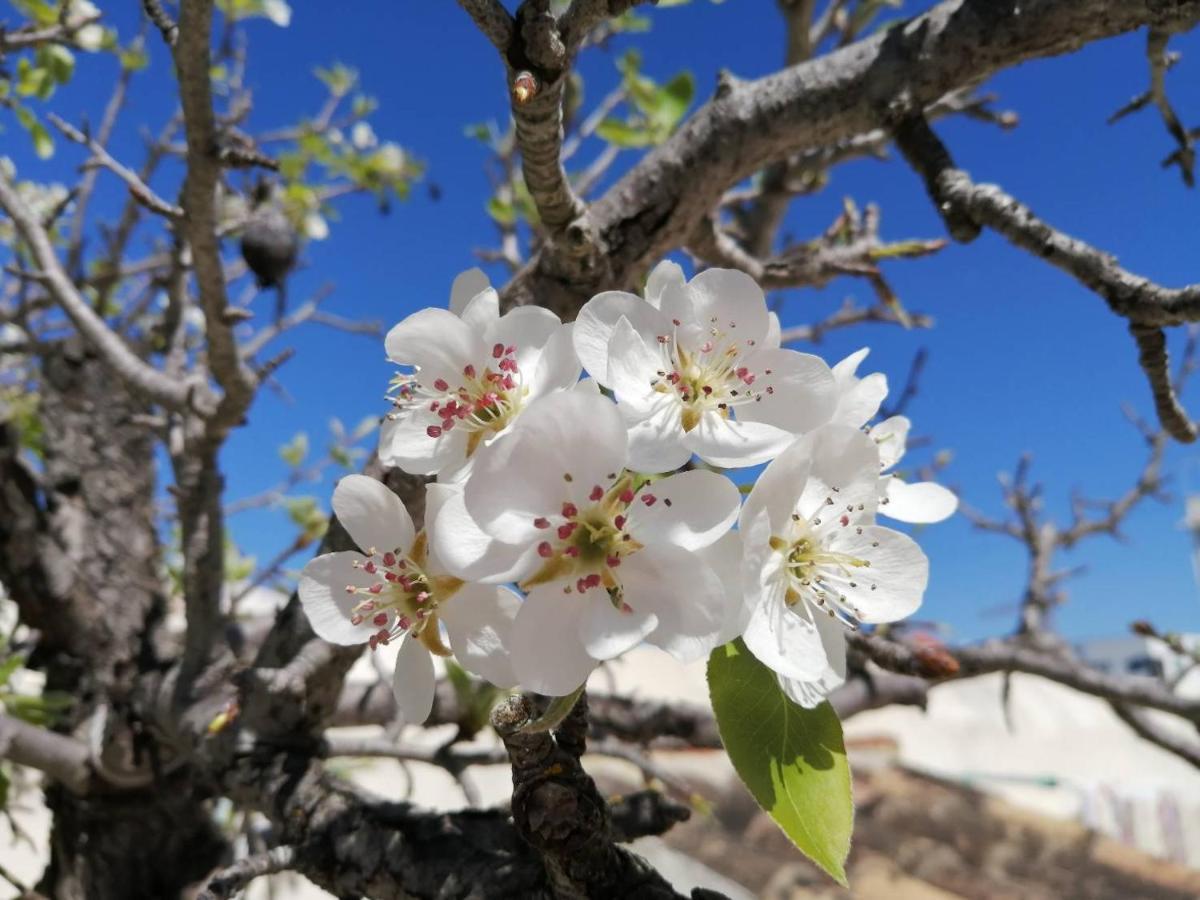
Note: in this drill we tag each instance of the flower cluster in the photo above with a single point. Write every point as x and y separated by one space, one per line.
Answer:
572 520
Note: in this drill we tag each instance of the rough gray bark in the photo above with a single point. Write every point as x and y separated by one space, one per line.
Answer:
816 104
97 600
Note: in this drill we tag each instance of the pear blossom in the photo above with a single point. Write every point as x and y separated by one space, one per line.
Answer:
858 399
696 367
607 558
924 502
815 564
474 370
397 591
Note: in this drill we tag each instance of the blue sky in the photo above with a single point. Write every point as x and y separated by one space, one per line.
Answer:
1021 358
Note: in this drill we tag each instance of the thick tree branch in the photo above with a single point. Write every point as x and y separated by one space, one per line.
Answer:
64 759
557 810
816 104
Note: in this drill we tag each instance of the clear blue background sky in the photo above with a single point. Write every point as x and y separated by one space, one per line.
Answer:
1021 358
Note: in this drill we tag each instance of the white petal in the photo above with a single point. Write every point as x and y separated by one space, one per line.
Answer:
413 682
606 631
803 396
547 653
405 444
774 332
845 471
893 585
479 622
597 319
777 490
844 371
466 286
811 694
436 495
324 599
559 448
632 368
372 514
785 640
690 510
482 311
664 274
862 400
734 300
733 444
438 342
922 503
527 329
557 366
656 442
725 559
891 436
468 552
684 593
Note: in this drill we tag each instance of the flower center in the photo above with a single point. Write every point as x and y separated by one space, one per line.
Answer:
709 377
588 544
817 574
403 598
482 403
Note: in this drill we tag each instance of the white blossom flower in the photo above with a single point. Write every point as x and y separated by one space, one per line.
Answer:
858 398
606 558
696 367
474 370
362 136
924 502
815 563
398 591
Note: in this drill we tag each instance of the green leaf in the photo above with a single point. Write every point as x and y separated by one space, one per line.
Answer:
296 450
792 759
623 134
340 79
501 211
8 666
673 100
43 144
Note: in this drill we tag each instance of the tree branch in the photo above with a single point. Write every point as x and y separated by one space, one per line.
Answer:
656 206
232 880
1147 306
1145 728
139 375
584 15
138 189
64 759
193 64
493 20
